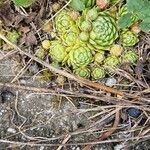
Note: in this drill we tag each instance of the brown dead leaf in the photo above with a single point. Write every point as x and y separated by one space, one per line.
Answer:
18 18
24 30
29 39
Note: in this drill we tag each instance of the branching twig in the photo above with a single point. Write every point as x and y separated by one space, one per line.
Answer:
108 133
64 142
65 93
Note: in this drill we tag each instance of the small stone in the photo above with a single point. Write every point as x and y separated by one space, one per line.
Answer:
111 81
6 96
119 147
1 113
42 148
134 112
11 130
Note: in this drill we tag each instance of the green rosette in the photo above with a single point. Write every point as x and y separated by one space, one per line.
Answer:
98 73
104 32
57 51
70 37
63 22
111 61
83 72
13 36
129 38
130 57
80 56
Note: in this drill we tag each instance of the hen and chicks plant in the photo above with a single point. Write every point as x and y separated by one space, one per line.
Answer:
92 44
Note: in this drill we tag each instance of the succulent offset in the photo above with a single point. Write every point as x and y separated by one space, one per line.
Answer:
129 38
116 50
83 72
98 73
13 36
70 37
92 40
63 22
130 57
99 57
80 56
112 61
57 51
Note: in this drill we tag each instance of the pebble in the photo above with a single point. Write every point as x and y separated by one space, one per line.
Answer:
11 130
6 96
119 147
42 148
111 81
134 112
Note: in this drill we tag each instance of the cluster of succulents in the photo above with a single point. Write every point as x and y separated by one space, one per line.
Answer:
93 44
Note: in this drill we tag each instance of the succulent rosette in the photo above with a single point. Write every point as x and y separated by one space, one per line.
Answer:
104 31
130 57
13 36
111 61
86 26
91 14
79 56
98 73
71 36
63 21
83 72
129 38
57 51
40 53
99 57
116 50
84 36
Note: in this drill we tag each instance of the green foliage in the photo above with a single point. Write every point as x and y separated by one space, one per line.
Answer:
13 36
125 20
77 5
141 8
23 3
80 5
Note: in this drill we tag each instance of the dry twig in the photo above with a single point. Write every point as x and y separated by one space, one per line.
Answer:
108 133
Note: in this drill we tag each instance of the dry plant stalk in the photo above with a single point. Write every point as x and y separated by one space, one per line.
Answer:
108 133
